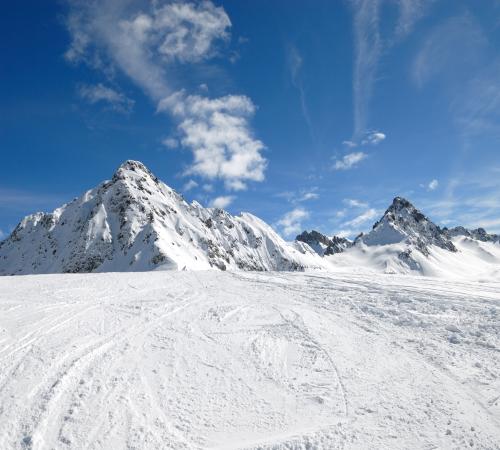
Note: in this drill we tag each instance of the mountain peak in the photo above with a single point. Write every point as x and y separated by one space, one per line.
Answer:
130 164
402 222
134 170
400 203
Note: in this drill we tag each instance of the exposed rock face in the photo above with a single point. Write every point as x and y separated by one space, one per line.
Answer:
135 222
402 222
322 244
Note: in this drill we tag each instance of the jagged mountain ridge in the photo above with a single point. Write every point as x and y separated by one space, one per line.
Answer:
134 222
479 234
404 240
324 245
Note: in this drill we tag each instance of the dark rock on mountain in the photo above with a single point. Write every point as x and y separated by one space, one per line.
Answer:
322 244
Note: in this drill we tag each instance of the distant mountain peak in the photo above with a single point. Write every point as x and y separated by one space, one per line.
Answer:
402 222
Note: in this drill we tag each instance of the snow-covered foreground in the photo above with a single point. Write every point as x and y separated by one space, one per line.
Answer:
246 360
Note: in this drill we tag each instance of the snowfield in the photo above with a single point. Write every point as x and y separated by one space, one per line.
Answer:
220 360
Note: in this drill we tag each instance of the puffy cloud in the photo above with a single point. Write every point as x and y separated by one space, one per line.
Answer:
433 185
113 34
218 133
222 202
187 31
291 222
349 161
143 41
2 235
100 93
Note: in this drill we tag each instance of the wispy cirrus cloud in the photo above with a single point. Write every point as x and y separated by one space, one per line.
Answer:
349 161
102 94
353 203
370 46
452 47
363 218
295 63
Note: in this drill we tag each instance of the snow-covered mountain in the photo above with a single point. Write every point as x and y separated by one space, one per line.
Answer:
402 222
404 240
134 222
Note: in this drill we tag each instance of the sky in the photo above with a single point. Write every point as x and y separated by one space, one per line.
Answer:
310 115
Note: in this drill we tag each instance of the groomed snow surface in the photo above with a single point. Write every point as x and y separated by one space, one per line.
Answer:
209 359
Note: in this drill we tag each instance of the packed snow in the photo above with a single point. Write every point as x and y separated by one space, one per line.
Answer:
246 360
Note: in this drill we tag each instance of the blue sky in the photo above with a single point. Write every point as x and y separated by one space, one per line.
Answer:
307 114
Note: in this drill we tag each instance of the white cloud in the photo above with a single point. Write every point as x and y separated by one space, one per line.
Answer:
222 202
295 63
306 196
374 138
433 185
191 184
2 235
218 133
349 161
410 11
170 142
366 216
353 203
187 31
368 49
291 222
99 93
140 41
350 144
143 41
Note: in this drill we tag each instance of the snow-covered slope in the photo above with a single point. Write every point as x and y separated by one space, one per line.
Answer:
245 360
134 223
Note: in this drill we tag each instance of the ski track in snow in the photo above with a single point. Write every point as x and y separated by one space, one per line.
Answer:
218 360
